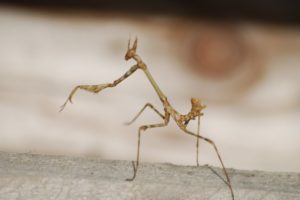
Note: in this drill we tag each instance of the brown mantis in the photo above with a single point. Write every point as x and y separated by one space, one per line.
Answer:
169 112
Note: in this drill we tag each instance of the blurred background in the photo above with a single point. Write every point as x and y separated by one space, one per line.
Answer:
241 57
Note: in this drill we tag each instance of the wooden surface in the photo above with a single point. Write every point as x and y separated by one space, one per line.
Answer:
27 176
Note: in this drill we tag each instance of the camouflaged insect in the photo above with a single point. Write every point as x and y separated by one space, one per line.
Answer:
181 120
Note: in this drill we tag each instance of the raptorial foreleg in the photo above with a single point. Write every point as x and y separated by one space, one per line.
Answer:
99 87
89 88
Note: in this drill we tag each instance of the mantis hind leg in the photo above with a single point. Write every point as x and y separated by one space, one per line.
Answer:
183 127
197 143
228 183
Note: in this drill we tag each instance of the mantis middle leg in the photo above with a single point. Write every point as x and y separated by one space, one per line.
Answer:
141 111
144 128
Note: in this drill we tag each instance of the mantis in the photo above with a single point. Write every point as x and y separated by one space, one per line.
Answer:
181 120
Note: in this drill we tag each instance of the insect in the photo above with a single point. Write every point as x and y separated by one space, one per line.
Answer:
181 120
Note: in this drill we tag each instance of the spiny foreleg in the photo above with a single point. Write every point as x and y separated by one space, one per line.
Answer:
90 88
99 87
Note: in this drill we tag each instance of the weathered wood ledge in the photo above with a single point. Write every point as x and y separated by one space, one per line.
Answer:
28 176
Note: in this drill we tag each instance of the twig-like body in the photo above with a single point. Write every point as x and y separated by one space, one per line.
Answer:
169 112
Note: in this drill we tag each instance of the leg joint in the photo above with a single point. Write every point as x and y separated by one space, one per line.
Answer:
143 128
149 104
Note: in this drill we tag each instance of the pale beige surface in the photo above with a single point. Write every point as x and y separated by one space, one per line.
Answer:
253 114
26 176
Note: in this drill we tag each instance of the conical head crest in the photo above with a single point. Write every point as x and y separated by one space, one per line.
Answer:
131 51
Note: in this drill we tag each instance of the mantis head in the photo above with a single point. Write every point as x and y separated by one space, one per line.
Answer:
131 52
